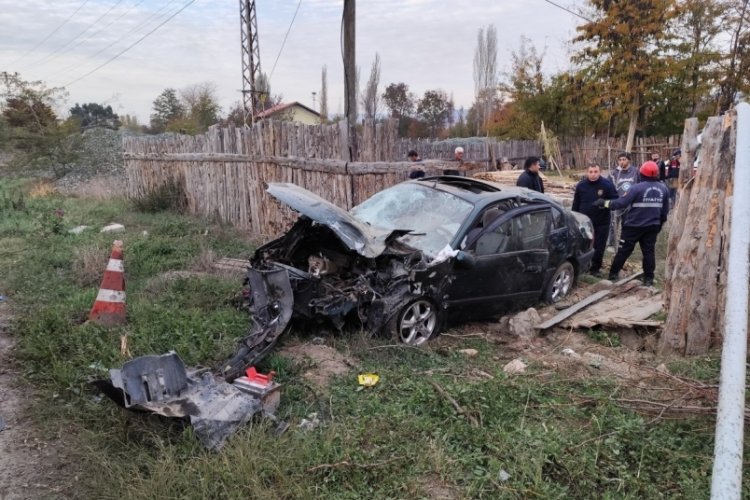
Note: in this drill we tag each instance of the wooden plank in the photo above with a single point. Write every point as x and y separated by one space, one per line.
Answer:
591 299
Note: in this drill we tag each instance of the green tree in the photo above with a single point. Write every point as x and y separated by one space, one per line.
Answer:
400 103
166 108
624 53
95 115
434 109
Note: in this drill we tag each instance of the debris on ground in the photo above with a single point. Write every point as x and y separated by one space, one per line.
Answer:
570 352
111 228
515 367
78 229
310 423
522 324
503 475
321 362
368 379
469 353
162 384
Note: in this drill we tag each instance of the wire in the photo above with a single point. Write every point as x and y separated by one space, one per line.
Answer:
568 10
63 47
124 36
129 46
91 36
284 42
29 52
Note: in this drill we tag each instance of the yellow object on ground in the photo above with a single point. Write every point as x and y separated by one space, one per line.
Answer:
368 379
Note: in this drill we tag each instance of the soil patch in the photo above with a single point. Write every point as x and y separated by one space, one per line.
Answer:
28 464
321 362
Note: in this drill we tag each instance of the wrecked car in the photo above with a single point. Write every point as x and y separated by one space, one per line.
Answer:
410 258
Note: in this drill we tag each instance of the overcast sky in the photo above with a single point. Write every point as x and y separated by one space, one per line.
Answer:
426 43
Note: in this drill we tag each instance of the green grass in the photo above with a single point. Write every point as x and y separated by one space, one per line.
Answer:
557 437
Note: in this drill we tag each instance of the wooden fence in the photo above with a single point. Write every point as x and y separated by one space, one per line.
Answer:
224 173
576 152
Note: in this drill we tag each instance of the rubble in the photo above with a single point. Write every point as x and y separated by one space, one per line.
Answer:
515 367
111 228
469 353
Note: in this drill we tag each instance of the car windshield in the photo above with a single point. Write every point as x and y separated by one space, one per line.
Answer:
433 216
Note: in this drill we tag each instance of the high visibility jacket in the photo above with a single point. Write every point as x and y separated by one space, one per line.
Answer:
648 201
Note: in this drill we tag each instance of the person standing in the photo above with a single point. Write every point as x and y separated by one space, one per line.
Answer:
648 202
458 156
673 175
415 172
624 177
595 187
530 177
656 158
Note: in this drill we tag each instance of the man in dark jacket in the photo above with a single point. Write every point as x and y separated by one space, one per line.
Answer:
530 177
649 206
595 187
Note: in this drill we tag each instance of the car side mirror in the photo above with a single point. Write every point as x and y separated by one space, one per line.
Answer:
465 260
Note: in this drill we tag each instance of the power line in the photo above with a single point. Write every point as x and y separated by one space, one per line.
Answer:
28 52
568 10
129 46
63 47
91 36
124 36
284 42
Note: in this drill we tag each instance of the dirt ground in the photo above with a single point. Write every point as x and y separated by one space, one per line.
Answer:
321 361
28 463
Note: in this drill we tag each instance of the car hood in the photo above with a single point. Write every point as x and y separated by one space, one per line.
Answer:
362 238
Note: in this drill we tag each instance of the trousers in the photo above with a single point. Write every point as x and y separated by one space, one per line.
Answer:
646 238
601 233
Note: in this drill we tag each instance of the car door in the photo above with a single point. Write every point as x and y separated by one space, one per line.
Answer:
511 258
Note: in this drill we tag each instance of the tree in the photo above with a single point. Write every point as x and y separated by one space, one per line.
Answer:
625 53
202 104
95 115
131 123
400 102
370 96
433 109
167 108
737 63
485 72
324 95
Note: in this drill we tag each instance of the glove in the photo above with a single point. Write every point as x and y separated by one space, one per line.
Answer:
601 203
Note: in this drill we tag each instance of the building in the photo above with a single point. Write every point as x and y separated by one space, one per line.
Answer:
291 111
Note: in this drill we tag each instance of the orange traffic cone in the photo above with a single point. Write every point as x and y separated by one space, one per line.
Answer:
109 308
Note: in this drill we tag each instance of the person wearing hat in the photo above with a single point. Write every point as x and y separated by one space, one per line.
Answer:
672 175
648 203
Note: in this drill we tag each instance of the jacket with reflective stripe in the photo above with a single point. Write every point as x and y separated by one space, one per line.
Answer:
648 202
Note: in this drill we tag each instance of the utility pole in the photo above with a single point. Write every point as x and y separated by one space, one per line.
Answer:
350 79
250 60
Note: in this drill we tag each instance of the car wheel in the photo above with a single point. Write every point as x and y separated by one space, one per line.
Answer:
561 283
415 323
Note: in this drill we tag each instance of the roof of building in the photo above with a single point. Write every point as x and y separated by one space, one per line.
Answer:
284 106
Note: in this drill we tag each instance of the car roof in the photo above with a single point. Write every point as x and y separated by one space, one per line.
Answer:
479 192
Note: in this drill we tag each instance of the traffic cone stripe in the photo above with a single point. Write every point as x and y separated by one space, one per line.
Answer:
115 296
115 265
109 308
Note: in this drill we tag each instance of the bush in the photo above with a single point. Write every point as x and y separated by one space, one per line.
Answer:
168 196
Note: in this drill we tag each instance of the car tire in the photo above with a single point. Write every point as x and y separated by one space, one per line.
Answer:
561 283
416 322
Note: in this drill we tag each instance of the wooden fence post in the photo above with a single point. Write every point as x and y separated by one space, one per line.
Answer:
697 248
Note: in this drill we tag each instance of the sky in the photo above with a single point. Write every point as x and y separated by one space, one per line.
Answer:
428 44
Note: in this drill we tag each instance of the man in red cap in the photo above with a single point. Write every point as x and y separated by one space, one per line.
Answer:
649 206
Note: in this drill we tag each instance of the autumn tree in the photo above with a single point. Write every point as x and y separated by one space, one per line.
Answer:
485 74
737 65
202 104
370 96
623 53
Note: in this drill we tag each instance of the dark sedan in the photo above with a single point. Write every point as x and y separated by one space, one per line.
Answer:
410 258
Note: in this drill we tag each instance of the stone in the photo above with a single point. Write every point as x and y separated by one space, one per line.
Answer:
523 324
515 367
469 353
112 228
78 229
662 368
570 353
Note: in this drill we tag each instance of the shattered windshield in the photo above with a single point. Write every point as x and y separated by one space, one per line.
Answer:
433 216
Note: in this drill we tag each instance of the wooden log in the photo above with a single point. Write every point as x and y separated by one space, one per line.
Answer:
696 250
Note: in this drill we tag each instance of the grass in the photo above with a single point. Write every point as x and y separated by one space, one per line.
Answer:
556 436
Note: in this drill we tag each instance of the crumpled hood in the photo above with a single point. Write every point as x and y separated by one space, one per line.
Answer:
366 240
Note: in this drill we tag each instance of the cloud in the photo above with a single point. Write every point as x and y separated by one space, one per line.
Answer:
425 43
